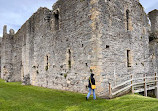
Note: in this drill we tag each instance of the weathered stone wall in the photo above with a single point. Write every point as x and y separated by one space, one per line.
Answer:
153 57
117 39
17 55
11 56
6 56
38 27
153 15
62 56
57 48
99 40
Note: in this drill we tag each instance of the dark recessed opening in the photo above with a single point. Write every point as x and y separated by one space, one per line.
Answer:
56 16
46 67
69 61
61 66
127 19
86 64
47 60
107 46
129 64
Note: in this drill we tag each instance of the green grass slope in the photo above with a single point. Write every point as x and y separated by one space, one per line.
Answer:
15 97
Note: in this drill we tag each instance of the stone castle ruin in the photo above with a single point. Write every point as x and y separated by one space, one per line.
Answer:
57 48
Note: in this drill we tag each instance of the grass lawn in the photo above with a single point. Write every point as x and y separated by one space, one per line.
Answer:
15 97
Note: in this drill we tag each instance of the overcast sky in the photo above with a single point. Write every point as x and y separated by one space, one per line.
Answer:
14 13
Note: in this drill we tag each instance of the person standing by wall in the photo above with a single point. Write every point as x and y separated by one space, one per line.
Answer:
91 86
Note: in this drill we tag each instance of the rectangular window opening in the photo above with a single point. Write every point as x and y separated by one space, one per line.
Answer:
127 19
46 67
69 61
56 16
129 64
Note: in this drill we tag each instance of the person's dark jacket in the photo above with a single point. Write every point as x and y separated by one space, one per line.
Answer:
92 81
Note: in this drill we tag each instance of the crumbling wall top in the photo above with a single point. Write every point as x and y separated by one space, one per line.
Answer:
153 12
11 32
39 12
4 30
153 16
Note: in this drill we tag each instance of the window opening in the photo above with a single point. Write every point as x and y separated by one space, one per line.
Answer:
69 61
129 58
127 19
56 16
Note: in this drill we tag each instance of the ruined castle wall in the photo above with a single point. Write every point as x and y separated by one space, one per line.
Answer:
6 53
39 24
120 40
18 50
95 38
17 54
153 15
57 48
28 32
11 56
140 40
62 57
153 57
